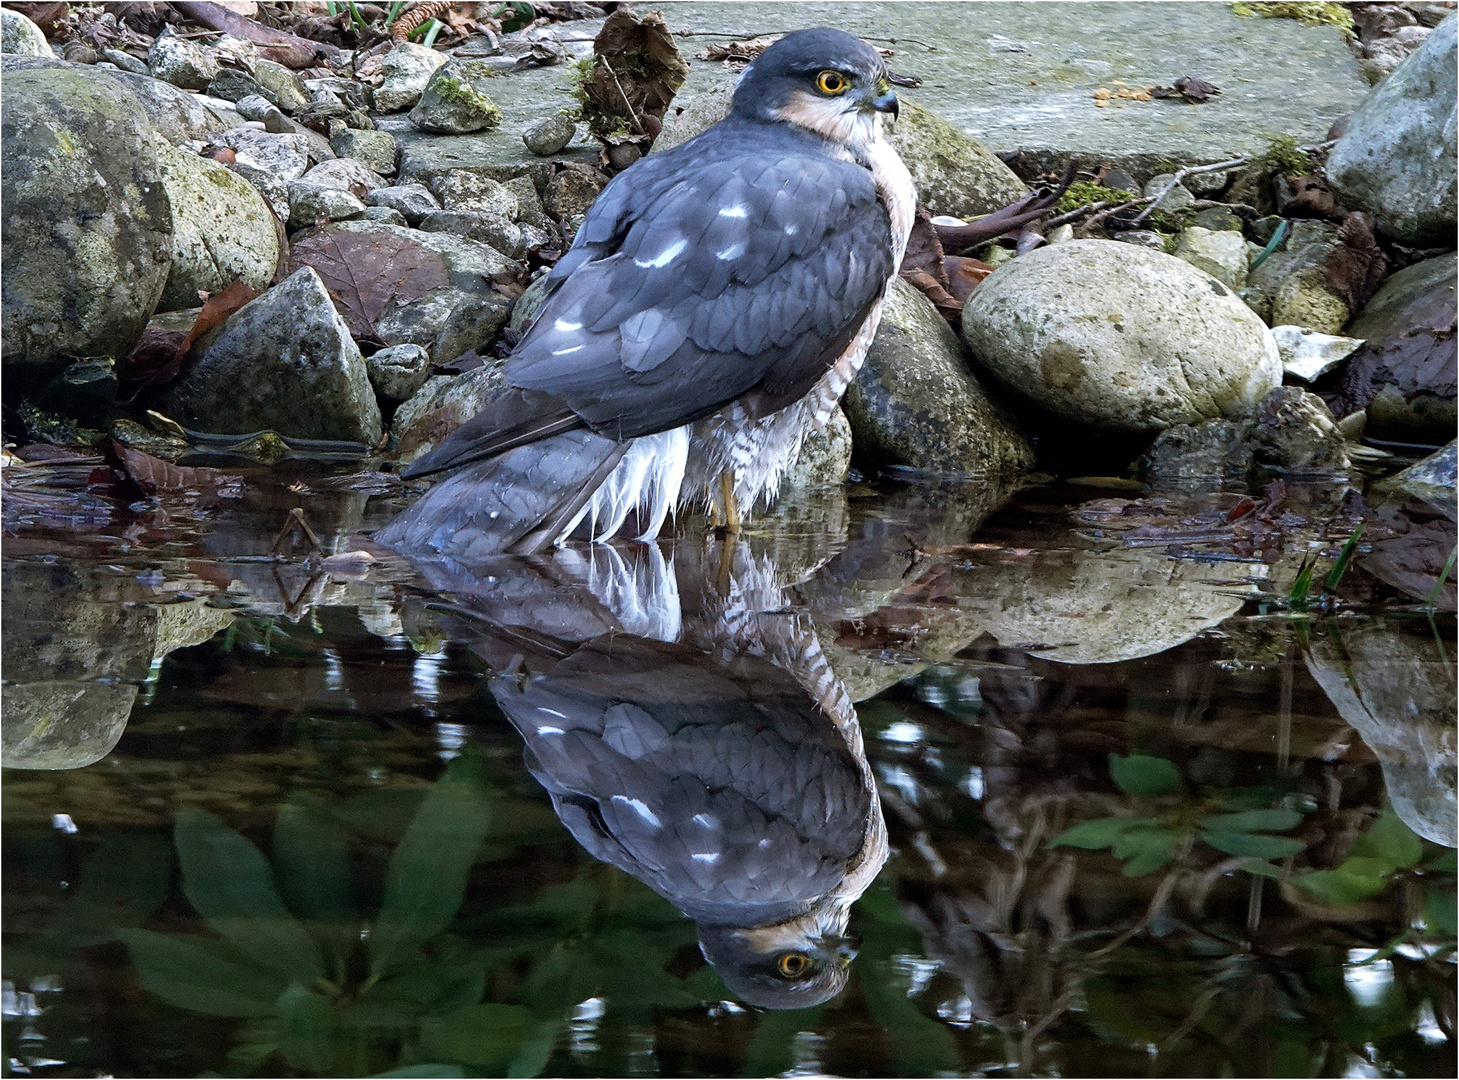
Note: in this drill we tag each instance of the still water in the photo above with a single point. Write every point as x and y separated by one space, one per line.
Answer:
1087 781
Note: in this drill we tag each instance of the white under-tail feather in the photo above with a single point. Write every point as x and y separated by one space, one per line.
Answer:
646 481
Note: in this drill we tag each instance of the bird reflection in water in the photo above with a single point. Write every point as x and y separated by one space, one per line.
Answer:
690 733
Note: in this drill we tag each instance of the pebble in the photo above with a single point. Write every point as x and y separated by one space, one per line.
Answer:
549 135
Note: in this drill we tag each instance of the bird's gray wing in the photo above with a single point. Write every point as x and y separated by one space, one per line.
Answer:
740 262
725 790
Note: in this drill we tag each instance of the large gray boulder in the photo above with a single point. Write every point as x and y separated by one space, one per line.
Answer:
915 402
1397 157
87 229
1120 337
285 362
223 230
954 173
20 36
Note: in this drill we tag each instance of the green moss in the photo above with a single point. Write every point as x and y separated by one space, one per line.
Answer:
52 428
1087 192
1283 153
459 92
1308 12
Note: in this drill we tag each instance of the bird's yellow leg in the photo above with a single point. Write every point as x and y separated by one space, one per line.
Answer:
731 508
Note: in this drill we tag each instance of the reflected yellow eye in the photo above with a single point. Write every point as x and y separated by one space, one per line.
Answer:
831 82
793 965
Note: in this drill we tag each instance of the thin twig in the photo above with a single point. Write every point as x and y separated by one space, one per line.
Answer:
1157 905
1190 170
1099 217
637 123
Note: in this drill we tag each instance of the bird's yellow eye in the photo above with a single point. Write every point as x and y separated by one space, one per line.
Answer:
831 82
793 965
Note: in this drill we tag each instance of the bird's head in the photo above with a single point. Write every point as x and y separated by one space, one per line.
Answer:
790 965
822 80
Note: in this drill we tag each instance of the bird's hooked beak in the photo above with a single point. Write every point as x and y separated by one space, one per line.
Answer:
836 949
881 99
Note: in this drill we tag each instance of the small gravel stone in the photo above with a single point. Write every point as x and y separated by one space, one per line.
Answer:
376 149
181 62
309 203
398 372
1146 238
275 191
233 85
413 201
1178 198
491 229
455 101
282 83
125 60
388 214
549 135
529 204
408 68
466 189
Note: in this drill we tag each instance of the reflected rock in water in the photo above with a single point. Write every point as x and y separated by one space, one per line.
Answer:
690 733
77 645
1079 605
1396 685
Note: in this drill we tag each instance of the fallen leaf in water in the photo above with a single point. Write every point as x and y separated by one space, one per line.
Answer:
158 356
365 272
151 475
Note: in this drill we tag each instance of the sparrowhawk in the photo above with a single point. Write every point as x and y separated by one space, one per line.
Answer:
689 731
717 300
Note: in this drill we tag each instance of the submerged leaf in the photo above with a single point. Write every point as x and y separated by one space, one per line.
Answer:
1102 832
427 877
306 1028
182 972
1141 775
490 1035
231 885
1390 841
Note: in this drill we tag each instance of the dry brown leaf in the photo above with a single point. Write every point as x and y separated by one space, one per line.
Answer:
1356 267
158 355
964 275
364 272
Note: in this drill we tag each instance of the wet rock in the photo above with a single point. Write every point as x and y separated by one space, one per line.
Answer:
311 203
549 135
1397 689
1120 338
285 86
441 406
346 174
1306 299
1145 238
1435 472
915 403
527 304
413 201
231 84
408 68
374 149
398 372
1217 219
488 228
1397 158
448 321
125 60
824 457
455 101
530 210
1221 254
1289 431
223 230
275 192
385 215
284 155
1084 606
21 37
570 192
284 362
87 228
77 643
1306 355
181 62
954 173
470 191
1176 199
1405 376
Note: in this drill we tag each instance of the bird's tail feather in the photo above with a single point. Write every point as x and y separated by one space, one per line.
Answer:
518 502
514 419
